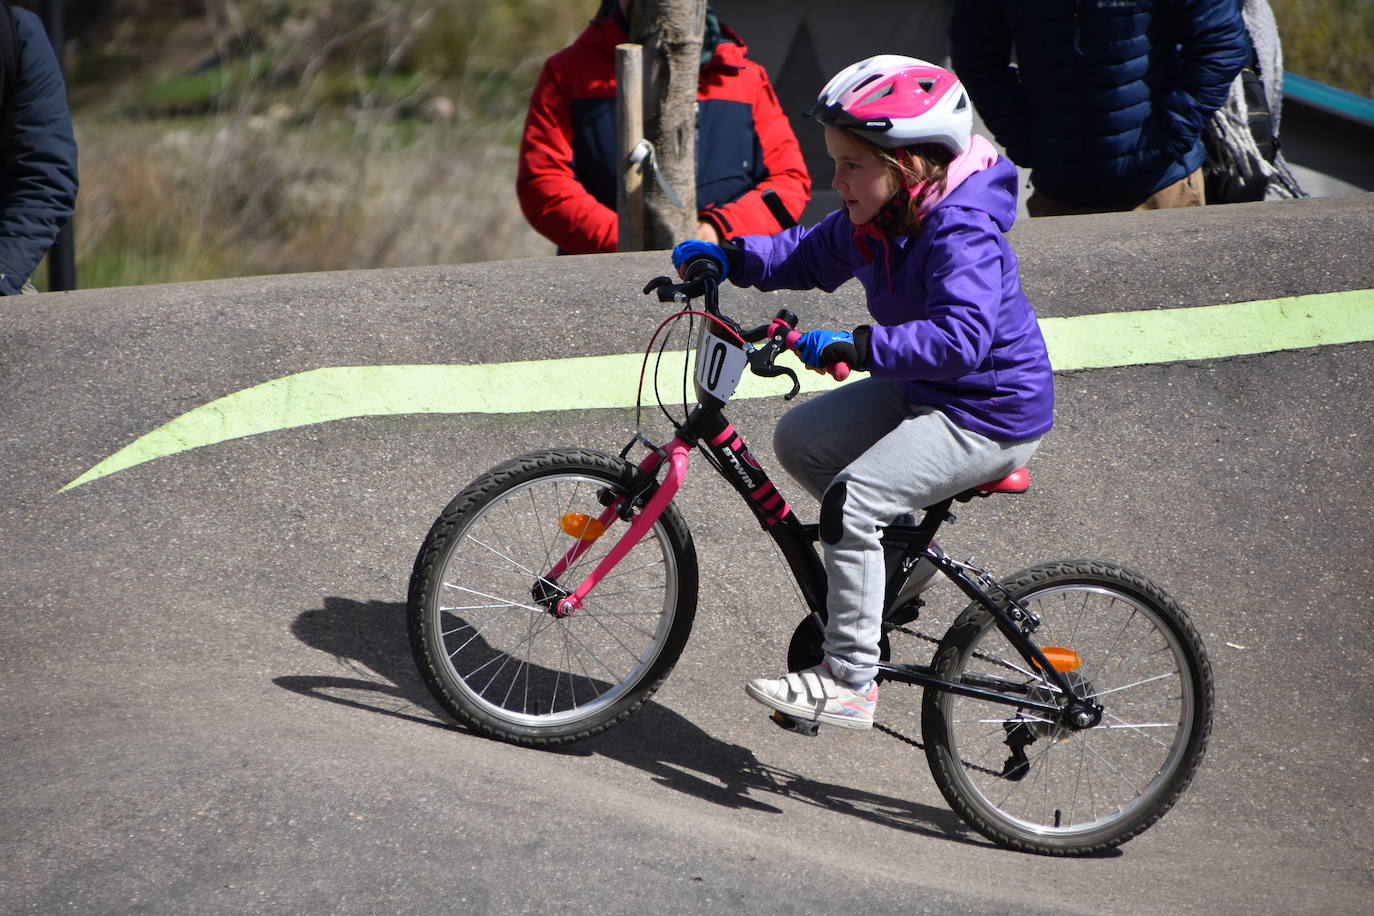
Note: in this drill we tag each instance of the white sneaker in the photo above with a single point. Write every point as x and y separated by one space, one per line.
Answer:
815 695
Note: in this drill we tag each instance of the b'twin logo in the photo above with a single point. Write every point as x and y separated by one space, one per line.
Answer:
749 479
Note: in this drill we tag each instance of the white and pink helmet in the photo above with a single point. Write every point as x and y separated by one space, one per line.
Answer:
897 101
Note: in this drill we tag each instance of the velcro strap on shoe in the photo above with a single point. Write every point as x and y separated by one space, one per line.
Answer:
818 688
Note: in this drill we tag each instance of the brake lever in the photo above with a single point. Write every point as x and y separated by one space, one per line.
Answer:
761 363
668 291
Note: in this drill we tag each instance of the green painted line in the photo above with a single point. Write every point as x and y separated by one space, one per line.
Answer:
1209 331
599 382
344 392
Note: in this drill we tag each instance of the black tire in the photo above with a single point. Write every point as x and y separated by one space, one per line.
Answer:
1039 786
485 641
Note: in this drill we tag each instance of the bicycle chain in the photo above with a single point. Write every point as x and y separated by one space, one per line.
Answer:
889 730
978 655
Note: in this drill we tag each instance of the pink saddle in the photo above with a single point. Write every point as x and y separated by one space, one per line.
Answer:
1018 481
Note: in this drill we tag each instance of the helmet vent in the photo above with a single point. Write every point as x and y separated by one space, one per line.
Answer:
879 94
926 85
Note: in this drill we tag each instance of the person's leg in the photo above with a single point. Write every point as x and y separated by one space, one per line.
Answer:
1041 204
816 439
923 460
1186 192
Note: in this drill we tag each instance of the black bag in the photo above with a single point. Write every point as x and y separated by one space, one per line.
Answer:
1224 178
1261 118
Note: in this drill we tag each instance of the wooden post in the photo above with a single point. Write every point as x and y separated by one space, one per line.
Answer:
670 31
629 110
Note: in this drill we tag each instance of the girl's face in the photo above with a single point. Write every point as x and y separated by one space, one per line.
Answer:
863 180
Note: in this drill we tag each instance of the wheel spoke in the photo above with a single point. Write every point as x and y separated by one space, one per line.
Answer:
1032 781
506 664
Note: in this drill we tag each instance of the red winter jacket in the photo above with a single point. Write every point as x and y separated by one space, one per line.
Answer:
745 146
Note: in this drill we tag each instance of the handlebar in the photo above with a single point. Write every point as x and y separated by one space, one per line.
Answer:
839 371
703 281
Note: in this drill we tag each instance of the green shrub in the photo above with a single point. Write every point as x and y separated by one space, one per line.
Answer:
1331 41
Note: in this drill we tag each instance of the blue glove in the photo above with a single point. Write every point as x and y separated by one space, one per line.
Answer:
694 250
819 349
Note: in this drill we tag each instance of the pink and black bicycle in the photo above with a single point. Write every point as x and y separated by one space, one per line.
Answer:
1064 711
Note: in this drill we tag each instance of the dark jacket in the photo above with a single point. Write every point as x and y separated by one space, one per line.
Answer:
567 175
1107 99
38 172
950 319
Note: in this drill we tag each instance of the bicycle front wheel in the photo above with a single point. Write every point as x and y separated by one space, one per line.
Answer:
481 620
1032 783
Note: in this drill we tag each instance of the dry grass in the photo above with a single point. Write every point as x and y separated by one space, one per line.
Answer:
167 201
303 153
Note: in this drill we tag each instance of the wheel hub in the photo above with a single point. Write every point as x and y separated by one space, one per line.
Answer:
1078 715
1023 731
549 595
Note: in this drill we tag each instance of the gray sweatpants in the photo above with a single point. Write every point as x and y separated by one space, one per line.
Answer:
870 457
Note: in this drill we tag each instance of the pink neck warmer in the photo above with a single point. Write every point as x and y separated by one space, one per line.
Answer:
980 155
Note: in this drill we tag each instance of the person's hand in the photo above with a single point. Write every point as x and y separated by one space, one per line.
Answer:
688 253
819 349
706 232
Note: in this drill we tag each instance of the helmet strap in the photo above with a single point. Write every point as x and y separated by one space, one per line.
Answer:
891 217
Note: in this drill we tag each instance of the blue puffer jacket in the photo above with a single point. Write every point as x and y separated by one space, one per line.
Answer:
950 319
1107 99
38 174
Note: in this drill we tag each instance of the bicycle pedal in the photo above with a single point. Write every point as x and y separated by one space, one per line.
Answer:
807 727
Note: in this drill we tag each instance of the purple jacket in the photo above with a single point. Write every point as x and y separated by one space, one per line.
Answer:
950 317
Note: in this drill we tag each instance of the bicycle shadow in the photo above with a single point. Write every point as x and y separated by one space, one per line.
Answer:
369 637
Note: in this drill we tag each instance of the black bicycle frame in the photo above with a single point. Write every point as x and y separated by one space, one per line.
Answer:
707 428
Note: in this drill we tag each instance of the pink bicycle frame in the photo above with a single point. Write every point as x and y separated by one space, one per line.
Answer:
767 502
678 452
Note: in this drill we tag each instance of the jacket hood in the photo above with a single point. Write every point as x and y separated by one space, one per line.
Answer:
992 190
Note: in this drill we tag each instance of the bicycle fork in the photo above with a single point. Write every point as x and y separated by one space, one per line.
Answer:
708 429
675 454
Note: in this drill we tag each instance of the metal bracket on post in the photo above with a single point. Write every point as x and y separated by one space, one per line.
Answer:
642 157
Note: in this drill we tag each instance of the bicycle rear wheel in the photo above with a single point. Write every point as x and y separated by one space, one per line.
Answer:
1037 785
481 627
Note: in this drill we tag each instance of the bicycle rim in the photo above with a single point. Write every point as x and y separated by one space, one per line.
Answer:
508 661
1032 783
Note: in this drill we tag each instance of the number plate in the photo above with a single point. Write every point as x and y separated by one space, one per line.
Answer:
720 364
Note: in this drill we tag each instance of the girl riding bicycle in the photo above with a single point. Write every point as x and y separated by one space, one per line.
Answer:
960 389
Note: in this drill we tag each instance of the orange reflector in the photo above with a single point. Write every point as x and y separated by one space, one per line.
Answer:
1062 659
582 527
